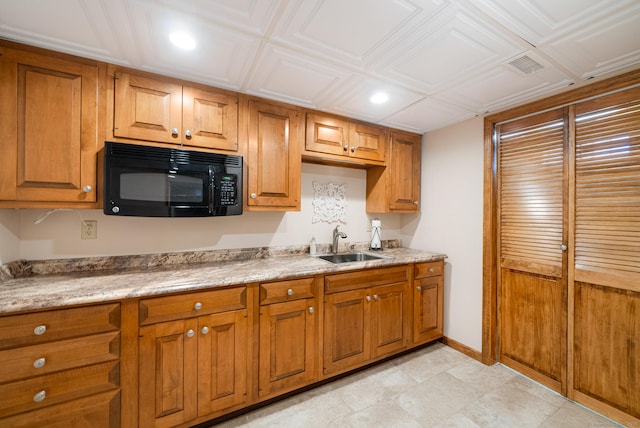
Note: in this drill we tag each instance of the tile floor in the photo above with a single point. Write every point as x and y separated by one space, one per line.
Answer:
433 387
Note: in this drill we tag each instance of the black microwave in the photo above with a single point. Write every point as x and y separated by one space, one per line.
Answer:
165 182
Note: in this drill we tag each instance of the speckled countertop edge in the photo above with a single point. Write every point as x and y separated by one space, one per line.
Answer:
39 292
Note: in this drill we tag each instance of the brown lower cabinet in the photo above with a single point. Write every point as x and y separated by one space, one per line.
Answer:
189 358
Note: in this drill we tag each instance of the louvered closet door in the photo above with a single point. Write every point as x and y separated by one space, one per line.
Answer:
532 177
606 289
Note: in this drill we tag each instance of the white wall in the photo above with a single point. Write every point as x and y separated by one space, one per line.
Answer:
9 235
58 236
451 222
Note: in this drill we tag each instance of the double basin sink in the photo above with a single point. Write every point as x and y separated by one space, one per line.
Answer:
349 257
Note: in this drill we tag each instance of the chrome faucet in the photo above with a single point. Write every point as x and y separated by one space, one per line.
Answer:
337 234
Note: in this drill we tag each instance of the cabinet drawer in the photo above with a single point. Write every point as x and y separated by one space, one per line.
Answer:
282 291
30 329
424 270
161 309
36 360
365 278
41 391
95 411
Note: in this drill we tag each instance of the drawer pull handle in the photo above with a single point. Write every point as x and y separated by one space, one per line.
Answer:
190 333
40 396
39 363
205 330
290 292
432 270
197 306
40 330
419 288
311 310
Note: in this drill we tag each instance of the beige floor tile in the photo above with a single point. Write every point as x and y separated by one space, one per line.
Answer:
382 415
436 399
509 406
572 415
432 387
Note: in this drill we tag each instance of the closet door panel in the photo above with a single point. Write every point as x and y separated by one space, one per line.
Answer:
606 304
532 293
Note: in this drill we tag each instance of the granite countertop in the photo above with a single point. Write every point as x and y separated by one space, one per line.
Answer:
96 286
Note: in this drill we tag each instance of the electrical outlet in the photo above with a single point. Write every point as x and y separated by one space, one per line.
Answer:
89 229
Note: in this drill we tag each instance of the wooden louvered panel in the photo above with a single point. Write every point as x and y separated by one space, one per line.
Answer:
607 237
531 163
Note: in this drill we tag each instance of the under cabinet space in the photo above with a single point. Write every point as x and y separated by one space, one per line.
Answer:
428 301
61 366
195 365
289 322
366 316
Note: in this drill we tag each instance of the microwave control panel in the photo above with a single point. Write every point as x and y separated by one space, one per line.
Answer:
226 190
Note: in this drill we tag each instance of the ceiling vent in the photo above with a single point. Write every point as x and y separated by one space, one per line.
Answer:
525 64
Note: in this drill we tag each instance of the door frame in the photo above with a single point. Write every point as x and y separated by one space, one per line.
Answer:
489 256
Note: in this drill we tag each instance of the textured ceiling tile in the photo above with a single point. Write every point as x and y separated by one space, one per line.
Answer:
427 115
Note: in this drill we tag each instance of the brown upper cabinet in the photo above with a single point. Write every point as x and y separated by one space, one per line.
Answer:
273 156
342 140
396 188
165 111
49 129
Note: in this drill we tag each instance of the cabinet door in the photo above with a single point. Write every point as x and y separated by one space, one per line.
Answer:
222 361
327 134
427 308
168 373
273 157
48 123
346 330
147 109
288 344
387 319
368 141
404 169
209 119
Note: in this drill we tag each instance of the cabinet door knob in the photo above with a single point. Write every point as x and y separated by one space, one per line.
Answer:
311 310
253 196
86 188
345 147
563 247
415 203
368 298
432 270
375 297
197 306
40 396
40 330
174 132
39 363
290 292
187 133
205 330
190 333
353 149
418 288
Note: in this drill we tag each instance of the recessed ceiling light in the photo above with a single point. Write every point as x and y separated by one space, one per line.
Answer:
182 40
379 98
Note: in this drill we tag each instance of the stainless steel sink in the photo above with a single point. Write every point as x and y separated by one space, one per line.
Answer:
349 257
